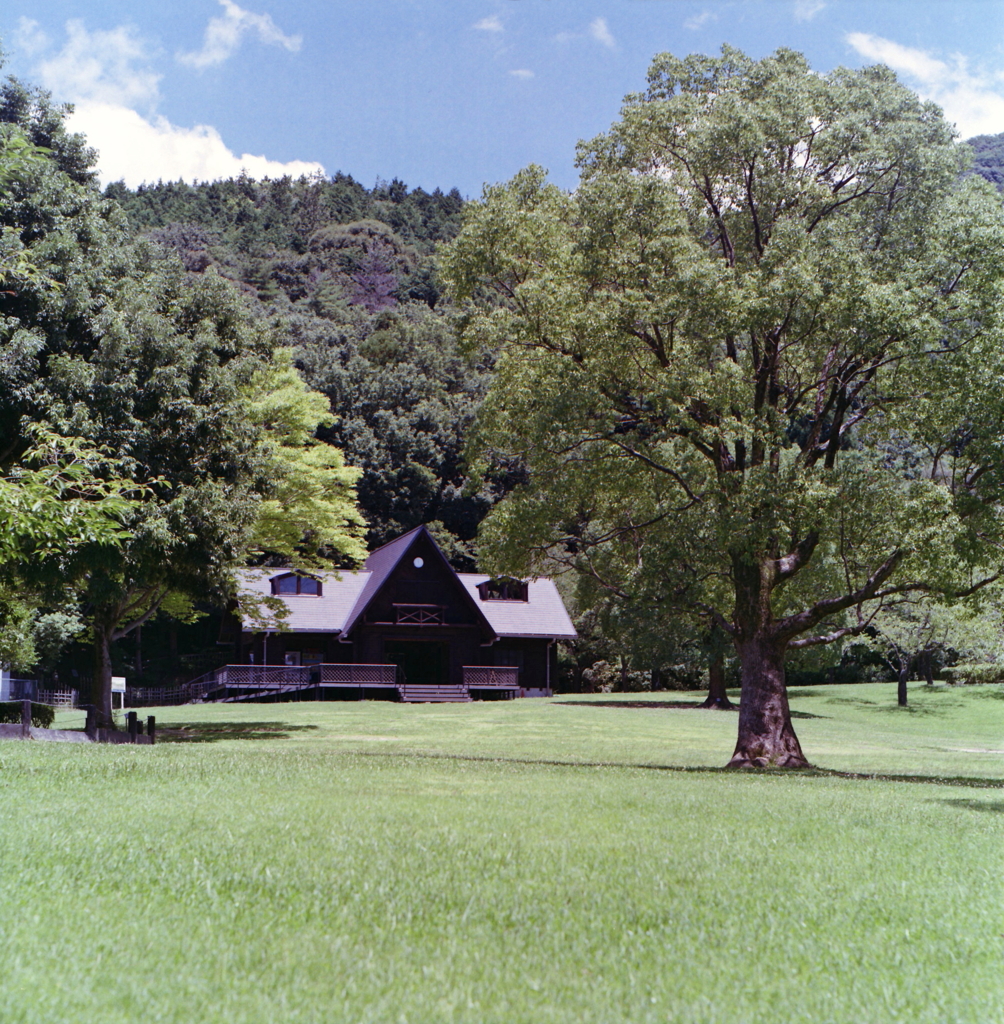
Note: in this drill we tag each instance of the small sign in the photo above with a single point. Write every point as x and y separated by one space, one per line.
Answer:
118 684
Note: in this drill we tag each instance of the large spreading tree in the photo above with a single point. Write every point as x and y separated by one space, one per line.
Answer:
215 428
753 363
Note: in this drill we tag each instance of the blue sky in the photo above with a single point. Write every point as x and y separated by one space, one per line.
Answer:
440 92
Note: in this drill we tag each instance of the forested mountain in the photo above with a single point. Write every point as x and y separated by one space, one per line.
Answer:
350 273
989 157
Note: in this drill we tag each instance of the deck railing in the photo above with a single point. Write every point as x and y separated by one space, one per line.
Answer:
359 675
262 678
248 680
269 676
491 677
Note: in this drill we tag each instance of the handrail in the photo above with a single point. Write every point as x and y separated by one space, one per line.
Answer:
262 680
487 677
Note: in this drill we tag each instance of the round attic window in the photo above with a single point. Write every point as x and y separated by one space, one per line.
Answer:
418 563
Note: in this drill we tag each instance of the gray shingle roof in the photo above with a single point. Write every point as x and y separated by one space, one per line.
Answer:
543 615
345 595
325 614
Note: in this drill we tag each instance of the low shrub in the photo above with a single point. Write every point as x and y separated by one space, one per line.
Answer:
42 715
605 677
969 675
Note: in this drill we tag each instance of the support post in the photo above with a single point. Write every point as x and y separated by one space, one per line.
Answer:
133 719
26 718
151 725
91 723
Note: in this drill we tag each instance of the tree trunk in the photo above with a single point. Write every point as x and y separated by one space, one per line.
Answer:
928 668
766 737
904 672
717 695
101 688
172 646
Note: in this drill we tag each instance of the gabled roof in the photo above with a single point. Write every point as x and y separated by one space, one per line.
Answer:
382 562
346 595
379 565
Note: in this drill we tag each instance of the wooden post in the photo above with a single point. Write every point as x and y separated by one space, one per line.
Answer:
151 725
133 719
91 724
26 718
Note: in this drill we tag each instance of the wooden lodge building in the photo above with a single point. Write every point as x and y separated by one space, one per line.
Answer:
404 627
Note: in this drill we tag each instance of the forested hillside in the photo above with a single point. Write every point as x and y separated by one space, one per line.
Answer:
343 275
350 274
347 275
154 435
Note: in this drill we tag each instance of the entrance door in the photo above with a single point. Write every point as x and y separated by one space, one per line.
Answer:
422 662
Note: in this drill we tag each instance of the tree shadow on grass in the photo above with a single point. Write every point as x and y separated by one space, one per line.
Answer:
967 781
994 807
911 709
890 706
631 703
670 704
213 732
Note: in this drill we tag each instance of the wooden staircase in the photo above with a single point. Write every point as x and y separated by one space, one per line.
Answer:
415 693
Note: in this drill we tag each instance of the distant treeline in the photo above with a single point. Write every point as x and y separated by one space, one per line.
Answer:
249 214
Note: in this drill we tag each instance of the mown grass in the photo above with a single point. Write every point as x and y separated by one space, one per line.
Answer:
385 863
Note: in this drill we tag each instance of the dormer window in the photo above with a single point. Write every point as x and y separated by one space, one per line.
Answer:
505 589
292 584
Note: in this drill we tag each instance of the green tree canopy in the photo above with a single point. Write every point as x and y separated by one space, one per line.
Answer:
57 495
186 393
351 271
189 391
752 363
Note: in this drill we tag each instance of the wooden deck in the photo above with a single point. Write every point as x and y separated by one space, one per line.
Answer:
235 683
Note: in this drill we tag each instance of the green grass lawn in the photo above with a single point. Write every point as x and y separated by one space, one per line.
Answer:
532 861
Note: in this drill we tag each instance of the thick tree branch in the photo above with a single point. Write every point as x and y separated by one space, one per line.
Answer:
792 625
794 562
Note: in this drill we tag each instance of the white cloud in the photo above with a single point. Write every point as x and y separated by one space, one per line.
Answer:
29 37
107 74
975 102
521 73
599 30
224 34
101 66
806 10
916 63
699 20
490 24
137 149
